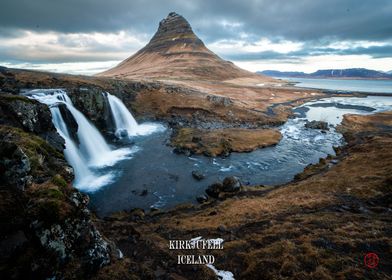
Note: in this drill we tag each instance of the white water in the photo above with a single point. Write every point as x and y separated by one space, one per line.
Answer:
126 125
92 152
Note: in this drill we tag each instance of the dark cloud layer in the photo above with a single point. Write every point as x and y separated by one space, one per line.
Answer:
316 24
294 20
375 52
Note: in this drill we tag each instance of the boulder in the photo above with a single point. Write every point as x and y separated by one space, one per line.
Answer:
202 198
214 189
198 175
317 125
231 184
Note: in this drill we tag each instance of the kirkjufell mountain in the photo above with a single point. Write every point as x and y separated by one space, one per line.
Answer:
175 52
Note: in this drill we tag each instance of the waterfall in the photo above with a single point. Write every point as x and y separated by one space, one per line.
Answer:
125 123
71 152
91 152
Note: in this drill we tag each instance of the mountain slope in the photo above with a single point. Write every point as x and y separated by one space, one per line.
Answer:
175 52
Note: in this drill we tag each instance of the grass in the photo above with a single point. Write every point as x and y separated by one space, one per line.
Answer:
217 142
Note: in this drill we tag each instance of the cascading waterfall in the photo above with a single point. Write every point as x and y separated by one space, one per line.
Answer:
92 151
72 154
125 123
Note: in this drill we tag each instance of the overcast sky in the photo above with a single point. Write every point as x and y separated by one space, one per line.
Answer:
88 36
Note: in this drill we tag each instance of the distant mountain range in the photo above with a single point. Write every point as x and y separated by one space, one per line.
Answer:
355 73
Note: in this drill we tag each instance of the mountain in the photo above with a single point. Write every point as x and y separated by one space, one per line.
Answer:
175 52
356 73
275 73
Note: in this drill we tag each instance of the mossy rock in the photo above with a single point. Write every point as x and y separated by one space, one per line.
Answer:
58 180
44 158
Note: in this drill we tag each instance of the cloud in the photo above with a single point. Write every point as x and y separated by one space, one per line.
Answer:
47 31
52 46
294 20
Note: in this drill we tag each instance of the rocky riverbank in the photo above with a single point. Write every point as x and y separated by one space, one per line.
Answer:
319 226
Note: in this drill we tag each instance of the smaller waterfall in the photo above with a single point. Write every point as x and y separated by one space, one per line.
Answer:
125 123
92 151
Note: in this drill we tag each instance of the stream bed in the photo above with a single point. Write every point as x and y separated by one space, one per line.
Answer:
155 177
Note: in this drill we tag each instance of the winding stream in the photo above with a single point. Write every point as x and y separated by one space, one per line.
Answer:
157 177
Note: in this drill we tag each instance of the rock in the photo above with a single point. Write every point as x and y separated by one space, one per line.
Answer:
215 189
12 242
231 184
184 151
219 100
31 116
72 125
317 125
93 103
202 198
75 237
222 228
144 192
137 214
196 139
197 175
14 166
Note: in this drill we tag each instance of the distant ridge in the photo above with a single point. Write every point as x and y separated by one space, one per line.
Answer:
355 73
175 52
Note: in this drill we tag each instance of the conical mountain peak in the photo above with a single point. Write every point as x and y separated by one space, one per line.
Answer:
175 52
173 30
174 23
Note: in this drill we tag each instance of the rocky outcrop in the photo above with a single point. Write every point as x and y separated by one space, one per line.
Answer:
75 237
317 125
69 119
93 103
49 231
219 100
15 166
31 116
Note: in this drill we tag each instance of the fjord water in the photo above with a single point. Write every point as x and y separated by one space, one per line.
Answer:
370 86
